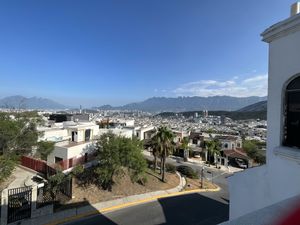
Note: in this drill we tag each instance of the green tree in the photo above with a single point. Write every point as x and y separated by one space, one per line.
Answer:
156 149
6 167
213 148
185 146
44 148
115 153
252 149
56 182
165 138
19 134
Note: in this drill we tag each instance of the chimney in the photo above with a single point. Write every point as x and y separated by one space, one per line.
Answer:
295 9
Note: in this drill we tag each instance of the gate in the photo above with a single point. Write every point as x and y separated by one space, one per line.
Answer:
19 204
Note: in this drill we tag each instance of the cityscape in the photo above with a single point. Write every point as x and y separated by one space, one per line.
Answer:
117 150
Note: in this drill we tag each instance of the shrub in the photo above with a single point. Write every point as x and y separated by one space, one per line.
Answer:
170 168
187 171
78 170
6 168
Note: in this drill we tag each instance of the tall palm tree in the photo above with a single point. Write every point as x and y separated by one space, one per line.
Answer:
166 143
213 148
156 149
185 146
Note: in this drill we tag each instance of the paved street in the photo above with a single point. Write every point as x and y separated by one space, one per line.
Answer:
179 210
204 208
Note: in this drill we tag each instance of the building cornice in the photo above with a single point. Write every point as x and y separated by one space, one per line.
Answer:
281 29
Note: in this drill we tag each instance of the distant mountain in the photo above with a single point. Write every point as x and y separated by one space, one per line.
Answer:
20 102
180 104
105 107
256 107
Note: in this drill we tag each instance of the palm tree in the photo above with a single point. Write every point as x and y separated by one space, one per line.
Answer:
156 149
213 148
185 146
165 139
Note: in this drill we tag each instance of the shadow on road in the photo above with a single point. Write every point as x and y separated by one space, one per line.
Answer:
190 209
85 207
193 209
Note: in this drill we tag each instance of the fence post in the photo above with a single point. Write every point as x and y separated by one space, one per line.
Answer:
4 207
33 200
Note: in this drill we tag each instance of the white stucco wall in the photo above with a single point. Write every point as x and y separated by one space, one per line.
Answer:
60 152
278 179
70 152
80 150
122 132
54 134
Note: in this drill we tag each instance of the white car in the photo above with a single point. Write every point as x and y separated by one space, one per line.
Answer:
197 155
241 163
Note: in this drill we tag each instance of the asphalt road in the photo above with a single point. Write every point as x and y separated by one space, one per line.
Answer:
190 209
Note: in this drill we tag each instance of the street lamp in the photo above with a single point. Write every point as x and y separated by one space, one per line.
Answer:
202 174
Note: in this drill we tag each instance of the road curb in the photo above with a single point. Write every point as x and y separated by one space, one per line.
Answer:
129 204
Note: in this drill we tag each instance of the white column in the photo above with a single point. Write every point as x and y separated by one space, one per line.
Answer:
4 206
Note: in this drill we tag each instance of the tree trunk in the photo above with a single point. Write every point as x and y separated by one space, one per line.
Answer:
155 163
161 164
163 169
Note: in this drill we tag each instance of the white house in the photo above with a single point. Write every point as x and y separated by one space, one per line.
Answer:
278 180
72 139
144 133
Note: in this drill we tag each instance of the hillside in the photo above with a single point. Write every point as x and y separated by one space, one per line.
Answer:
259 106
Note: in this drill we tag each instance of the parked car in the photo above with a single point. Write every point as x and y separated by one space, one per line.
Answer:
241 163
197 155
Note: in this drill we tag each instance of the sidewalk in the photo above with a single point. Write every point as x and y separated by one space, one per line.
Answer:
75 213
22 176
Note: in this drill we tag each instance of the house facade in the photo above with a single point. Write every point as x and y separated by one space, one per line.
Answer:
72 139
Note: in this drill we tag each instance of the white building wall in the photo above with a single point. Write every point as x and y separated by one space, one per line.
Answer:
80 150
60 152
122 132
70 152
53 134
278 179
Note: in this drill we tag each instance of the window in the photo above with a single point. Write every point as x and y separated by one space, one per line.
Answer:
87 135
57 159
292 114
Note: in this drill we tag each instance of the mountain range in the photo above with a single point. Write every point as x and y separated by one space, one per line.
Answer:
181 104
20 102
155 104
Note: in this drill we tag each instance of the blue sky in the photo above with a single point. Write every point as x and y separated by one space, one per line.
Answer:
120 51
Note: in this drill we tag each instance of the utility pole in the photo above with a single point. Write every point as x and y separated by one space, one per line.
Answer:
202 174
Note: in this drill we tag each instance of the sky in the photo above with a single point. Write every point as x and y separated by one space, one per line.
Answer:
96 52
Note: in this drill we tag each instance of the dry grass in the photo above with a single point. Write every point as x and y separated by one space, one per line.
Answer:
123 187
192 184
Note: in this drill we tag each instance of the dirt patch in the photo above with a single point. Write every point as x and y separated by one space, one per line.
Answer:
192 184
123 187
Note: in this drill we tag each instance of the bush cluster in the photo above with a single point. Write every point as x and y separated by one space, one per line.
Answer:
187 171
170 168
